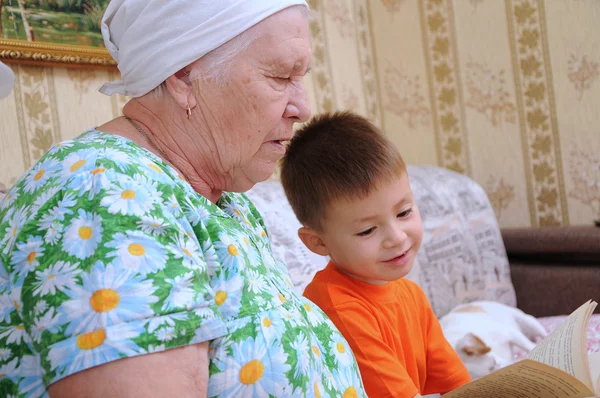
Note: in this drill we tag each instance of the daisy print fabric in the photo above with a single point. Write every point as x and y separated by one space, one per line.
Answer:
106 252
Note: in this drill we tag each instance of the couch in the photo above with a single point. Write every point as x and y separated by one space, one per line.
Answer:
545 272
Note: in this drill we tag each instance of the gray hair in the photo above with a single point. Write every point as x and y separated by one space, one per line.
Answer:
218 62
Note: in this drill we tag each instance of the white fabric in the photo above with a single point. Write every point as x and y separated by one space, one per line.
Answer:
153 39
7 80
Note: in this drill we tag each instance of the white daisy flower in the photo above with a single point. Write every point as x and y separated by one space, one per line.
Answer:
9 369
94 180
27 255
5 354
49 321
186 249
256 282
82 237
80 161
121 159
107 296
341 351
271 326
44 198
59 276
228 294
301 347
166 334
168 320
4 277
129 197
6 307
211 258
14 334
53 234
137 251
9 198
348 381
40 307
314 317
255 369
228 251
40 174
61 146
30 370
196 214
18 219
182 293
152 225
317 388
204 312
173 205
95 348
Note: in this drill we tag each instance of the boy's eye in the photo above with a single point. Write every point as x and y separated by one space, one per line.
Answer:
366 232
405 213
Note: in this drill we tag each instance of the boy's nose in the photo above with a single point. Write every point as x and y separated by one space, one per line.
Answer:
395 237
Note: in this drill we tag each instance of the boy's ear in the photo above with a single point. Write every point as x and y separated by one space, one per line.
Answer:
313 241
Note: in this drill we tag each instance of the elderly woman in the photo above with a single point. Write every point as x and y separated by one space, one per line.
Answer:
130 263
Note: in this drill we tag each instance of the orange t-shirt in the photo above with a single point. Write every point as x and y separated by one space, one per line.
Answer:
393 332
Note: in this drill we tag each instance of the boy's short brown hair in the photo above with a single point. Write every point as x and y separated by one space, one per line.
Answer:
334 156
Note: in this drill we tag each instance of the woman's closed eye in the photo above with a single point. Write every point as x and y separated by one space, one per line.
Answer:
405 213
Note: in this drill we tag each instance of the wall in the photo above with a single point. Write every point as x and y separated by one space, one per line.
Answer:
507 92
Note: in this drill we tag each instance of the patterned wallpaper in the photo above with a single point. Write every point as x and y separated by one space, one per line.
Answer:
505 91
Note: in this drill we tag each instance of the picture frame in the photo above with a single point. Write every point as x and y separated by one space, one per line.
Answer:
62 33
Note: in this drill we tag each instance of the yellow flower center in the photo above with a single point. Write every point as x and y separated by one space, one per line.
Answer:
135 249
31 257
77 165
267 322
20 327
99 170
155 167
316 350
350 393
38 175
263 234
236 211
232 250
251 372
317 392
307 307
127 194
187 252
104 300
220 297
50 277
90 340
282 298
85 233
341 348
14 232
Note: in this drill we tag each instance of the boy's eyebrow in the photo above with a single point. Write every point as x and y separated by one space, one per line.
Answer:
407 198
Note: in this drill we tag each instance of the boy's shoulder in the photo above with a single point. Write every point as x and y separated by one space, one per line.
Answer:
329 288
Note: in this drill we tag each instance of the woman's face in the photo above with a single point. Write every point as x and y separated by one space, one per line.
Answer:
254 112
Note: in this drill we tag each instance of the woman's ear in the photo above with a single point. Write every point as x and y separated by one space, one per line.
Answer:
181 89
313 241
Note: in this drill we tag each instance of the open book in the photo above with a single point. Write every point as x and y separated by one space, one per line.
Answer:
557 367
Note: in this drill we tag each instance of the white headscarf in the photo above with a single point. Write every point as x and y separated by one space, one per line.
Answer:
7 80
153 39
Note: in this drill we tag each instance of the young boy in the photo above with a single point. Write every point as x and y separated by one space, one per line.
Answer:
349 189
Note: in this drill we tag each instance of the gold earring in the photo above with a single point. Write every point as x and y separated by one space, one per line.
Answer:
188 112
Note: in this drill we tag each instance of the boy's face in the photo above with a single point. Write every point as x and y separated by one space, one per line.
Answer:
374 239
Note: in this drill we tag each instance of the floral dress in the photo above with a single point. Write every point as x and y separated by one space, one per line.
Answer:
105 253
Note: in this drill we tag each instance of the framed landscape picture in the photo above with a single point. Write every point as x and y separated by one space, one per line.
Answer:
53 33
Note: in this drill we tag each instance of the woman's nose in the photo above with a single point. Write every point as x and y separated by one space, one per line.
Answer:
298 107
